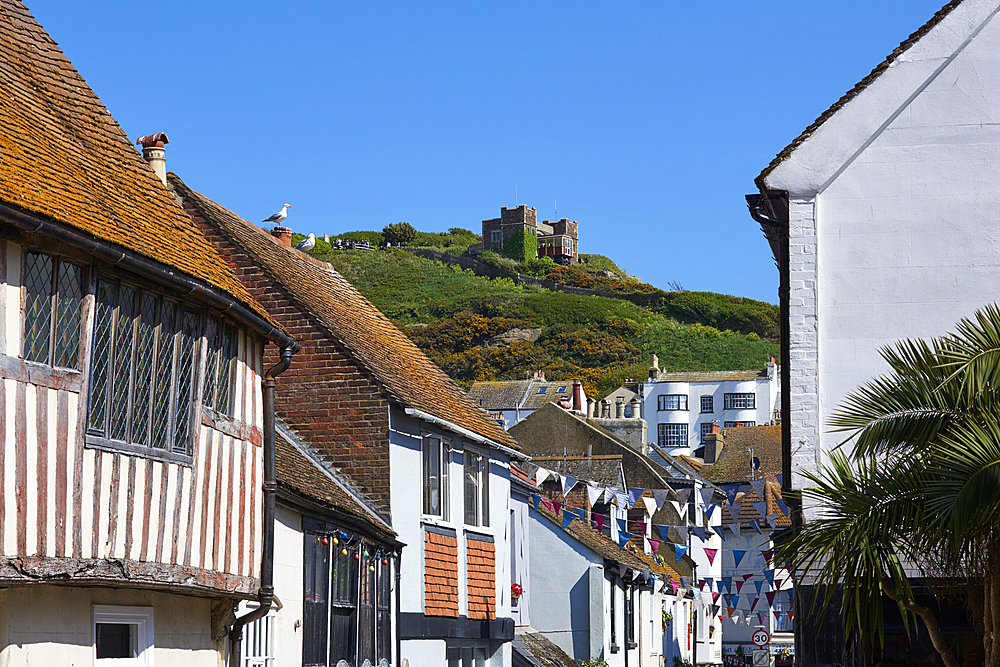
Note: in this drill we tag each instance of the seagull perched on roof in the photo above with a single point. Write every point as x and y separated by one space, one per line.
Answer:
280 216
307 244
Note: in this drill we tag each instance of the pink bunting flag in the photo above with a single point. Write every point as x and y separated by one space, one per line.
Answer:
557 505
768 555
777 616
755 601
674 584
654 544
747 576
599 521
770 598
711 555
701 584
777 583
548 505
715 597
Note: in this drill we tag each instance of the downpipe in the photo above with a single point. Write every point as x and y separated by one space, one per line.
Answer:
265 595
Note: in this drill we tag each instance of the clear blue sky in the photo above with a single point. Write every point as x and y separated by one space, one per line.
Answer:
646 122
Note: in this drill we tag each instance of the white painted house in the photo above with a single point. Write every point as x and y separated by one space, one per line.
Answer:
681 407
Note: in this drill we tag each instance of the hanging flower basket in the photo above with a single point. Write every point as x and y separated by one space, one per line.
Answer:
516 591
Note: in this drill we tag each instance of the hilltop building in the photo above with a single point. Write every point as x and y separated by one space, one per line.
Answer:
557 239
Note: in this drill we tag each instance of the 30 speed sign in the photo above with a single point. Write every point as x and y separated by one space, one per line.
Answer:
761 638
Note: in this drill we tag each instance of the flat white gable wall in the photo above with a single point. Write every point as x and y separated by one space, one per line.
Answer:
894 217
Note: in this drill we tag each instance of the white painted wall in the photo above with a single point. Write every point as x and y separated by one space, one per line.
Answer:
893 209
289 561
53 625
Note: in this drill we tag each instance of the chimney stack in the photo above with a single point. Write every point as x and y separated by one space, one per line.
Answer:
577 396
590 407
154 153
654 369
605 408
714 442
620 407
284 235
636 406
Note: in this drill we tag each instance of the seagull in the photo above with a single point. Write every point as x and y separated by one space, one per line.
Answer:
306 244
280 216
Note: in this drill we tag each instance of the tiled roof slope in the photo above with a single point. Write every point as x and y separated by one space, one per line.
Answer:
710 376
604 470
856 90
401 368
63 156
499 395
302 473
747 511
734 462
532 649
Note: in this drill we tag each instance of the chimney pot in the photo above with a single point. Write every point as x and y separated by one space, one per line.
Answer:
284 235
577 395
636 406
154 154
714 428
590 407
620 407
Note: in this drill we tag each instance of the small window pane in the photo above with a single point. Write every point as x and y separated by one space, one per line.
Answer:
227 357
164 375
185 377
123 363
117 640
145 338
100 371
38 270
432 476
741 401
472 462
68 312
707 403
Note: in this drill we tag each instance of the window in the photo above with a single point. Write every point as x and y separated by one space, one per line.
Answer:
220 366
784 623
706 428
744 401
707 404
123 636
466 657
496 236
477 489
734 424
630 642
346 607
53 298
142 372
561 389
436 457
672 402
614 609
672 435
542 390
257 646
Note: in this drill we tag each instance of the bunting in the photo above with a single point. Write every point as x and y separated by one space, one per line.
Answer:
594 494
770 597
711 555
755 525
654 545
633 495
772 521
736 600
678 507
768 555
557 505
683 495
778 477
761 508
660 496
735 527
650 504
706 494
758 487
567 484
777 616
739 586
738 556
621 499
734 511
599 520
699 532
755 601
769 575
679 551
541 475
728 583
731 491
623 539
675 585
715 597
534 500
778 582
710 510
568 518
682 532
548 505
664 532
758 584
622 525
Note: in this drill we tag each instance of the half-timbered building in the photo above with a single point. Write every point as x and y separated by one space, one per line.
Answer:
132 421
367 400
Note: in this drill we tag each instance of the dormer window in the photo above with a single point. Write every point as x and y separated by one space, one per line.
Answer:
53 300
542 390
561 389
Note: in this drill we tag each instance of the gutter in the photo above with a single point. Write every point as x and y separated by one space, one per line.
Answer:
266 594
513 453
150 268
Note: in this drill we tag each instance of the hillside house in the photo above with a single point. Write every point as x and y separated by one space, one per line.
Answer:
880 216
136 453
557 239
510 401
366 401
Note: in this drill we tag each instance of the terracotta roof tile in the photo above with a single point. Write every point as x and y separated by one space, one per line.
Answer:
856 90
396 362
63 157
734 461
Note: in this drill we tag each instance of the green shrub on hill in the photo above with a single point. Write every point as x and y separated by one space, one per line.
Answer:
399 234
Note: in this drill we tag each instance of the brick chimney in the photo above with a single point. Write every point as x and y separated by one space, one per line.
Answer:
654 369
154 153
284 235
577 396
714 443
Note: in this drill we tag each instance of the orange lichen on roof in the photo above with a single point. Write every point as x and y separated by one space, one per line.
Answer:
63 157
400 367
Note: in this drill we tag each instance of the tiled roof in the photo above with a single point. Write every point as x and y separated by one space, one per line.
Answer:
532 649
856 90
400 367
734 462
534 400
604 547
710 376
518 394
63 157
298 470
748 512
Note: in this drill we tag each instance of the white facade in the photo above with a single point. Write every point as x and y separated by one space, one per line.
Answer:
680 407
892 210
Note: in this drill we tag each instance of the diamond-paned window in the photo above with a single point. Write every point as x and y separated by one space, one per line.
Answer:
52 310
219 366
143 368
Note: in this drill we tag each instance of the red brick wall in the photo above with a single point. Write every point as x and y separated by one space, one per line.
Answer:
481 567
440 575
325 396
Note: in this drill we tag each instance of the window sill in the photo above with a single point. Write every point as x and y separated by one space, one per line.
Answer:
119 447
478 534
438 526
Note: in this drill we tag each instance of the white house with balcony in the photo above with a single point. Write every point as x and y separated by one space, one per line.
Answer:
681 407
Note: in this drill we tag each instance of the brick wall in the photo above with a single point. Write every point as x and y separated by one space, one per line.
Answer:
481 567
327 397
440 574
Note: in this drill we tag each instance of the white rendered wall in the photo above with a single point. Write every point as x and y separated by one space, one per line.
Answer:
289 560
53 625
893 221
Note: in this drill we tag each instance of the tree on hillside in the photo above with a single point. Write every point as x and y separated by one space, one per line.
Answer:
401 233
920 488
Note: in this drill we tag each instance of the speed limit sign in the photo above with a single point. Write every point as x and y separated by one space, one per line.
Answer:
761 638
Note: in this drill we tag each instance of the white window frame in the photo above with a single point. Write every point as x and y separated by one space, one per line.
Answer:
740 400
482 501
257 647
139 616
737 424
444 485
663 437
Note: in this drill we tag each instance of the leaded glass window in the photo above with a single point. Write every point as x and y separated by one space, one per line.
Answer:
52 310
219 366
143 368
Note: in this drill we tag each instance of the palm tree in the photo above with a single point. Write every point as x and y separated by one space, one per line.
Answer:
920 488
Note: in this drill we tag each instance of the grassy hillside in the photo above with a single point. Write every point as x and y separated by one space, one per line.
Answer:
453 314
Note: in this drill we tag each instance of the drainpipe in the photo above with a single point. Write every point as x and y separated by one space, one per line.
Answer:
266 594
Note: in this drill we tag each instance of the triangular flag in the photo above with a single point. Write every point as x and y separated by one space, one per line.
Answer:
675 585
755 525
621 499
697 593
706 494
782 506
541 475
557 505
761 508
735 527
599 520
769 575
634 494
728 583
654 544
738 556
699 532
664 532
778 477
534 500
748 576
770 597
768 555
736 600
778 582
734 511
622 525
684 582
683 495
772 520
777 616
701 584
649 504
682 532
679 508
710 581
660 496
567 484
715 597
623 538
594 494
731 491
710 510
711 555
679 552
758 487
755 601
758 584
568 518
548 505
